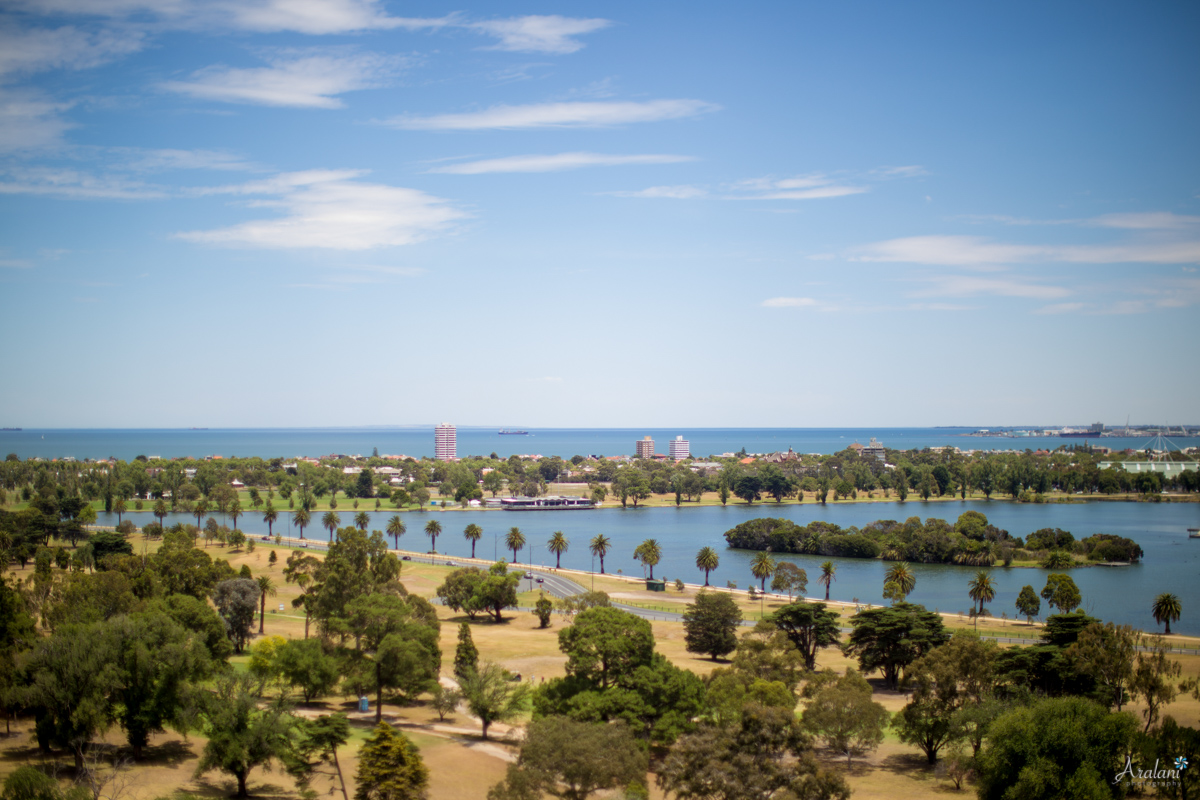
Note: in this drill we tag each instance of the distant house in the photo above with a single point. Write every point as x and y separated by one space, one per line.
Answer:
747 460
779 458
235 483
856 447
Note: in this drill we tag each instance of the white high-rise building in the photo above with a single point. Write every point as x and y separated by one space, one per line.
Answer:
679 449
645 448
445 442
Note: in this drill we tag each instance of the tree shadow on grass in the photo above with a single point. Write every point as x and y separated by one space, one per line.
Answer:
217 785
912 765
170 753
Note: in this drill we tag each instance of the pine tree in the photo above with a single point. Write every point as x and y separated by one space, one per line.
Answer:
390 768
466 657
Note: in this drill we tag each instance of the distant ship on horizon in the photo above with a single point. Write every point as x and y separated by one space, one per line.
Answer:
507 432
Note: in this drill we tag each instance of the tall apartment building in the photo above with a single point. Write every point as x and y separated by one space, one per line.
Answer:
874 450
645 448
445 442
679 449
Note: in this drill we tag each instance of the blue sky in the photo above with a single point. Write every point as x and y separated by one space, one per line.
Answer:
344 212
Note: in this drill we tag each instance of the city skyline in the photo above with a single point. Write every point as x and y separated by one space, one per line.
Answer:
800 215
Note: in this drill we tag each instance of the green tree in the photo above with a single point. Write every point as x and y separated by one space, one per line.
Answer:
266 586
649 553
306 665
473 533
764 755
466 655
200 509
558 545
269 517
710 624
901 575
542 609
891 638
809 627
1028 603
573 760
397 645
707 560
599 546
235 510
319 742
492 696
433 529
843 715
396 529
789 578
362 520
1154 679
301 517
161 511
1167 608
390 767
514 540
1087 742
828 576
1061 593
1107 654
236 601
762 566
241 735
604 643
330 521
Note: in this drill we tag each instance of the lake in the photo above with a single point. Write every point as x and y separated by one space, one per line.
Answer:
1118 594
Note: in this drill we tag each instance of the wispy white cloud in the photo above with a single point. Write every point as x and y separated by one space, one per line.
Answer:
1060 308
331 209
26 50
802 187
558 115
1151 220
15 263
974 251
56 182
539 34
790 302
163 160
910 171
972 285
670 192
30 121
308 79
554 163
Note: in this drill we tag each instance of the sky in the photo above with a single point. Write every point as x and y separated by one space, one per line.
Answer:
270 213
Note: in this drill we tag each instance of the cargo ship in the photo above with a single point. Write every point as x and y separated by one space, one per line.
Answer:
507 432
1096 429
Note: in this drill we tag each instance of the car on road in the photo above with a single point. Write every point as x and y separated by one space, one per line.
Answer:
529 575
266 538
450 564
406 558
541 580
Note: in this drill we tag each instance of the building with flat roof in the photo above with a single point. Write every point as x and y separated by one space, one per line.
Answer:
873 450
445 442
679 449
645 448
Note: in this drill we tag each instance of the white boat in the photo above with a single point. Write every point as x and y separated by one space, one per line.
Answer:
1194 533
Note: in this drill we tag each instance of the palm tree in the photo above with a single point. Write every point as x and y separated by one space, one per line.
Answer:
599 547
649 553
269 517
558 545
982 591
160 511
235 510
828 576
433 529
119 507
902 576
362 520
396 529
514 540
707 560
267 587
1166 608
301 517
200 510
762 567
472 533
330 521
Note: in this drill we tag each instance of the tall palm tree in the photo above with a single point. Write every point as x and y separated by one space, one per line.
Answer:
762 566
160 511
269 517
362 520
396 529
828 576
649 553
119 507
200 510
330 521
267 587
902 576
599 546
514 540
235 510
558 545
1167 608
472 533
707 560
301 517
433 529
981 589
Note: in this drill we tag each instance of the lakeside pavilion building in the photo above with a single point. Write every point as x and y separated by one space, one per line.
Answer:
445 442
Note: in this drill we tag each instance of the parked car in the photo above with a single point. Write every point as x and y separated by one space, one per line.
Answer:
406 558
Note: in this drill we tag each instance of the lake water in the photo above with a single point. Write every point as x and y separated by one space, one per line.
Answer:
1119 594
417 441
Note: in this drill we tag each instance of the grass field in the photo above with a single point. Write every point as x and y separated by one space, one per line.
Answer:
461 764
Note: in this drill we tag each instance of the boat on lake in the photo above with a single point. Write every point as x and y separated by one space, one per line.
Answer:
1194 533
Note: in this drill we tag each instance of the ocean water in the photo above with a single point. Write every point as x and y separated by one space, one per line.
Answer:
417 441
